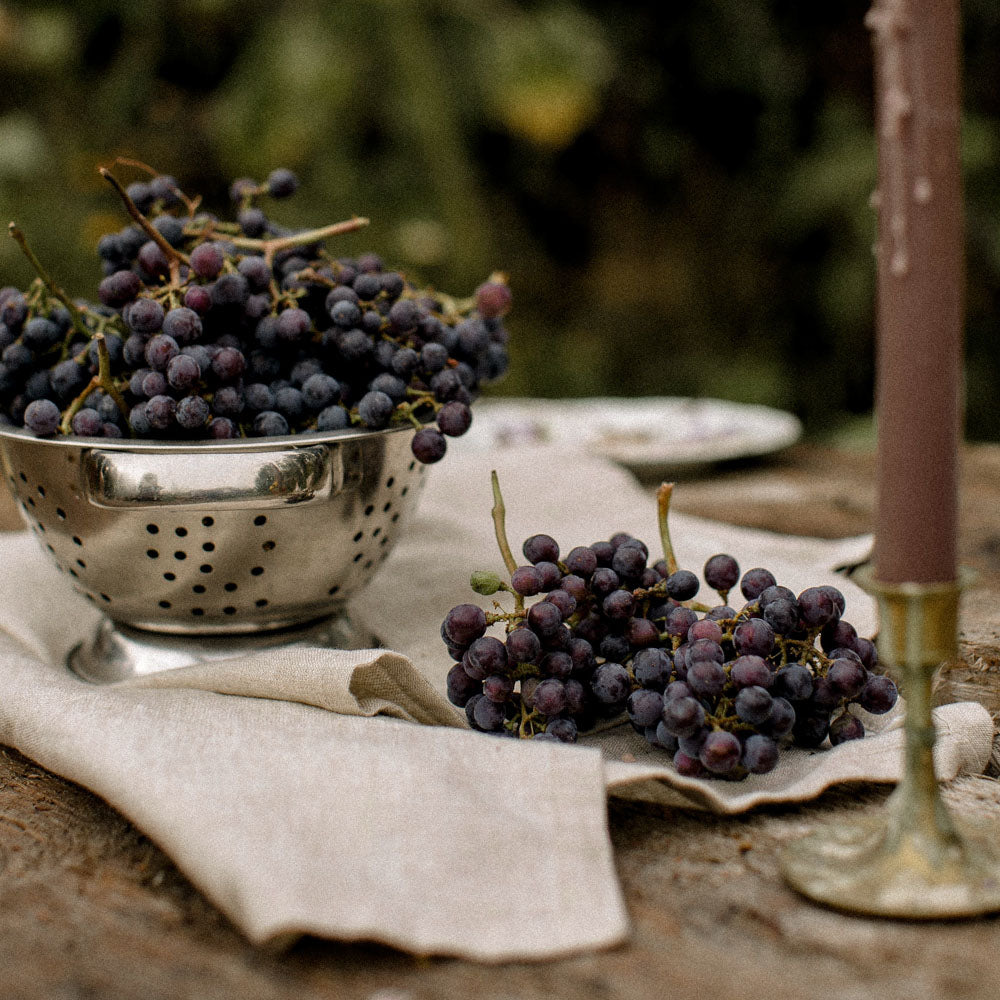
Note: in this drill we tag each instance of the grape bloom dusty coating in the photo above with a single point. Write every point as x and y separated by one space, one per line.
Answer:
721 690
213 329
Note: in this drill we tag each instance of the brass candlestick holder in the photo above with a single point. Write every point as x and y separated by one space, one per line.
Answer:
916 861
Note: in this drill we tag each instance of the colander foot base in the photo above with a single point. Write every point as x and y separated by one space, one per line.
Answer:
117 652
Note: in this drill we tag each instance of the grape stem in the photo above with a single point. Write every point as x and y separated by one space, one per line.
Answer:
102 380
74 312
499 513
191 204
663 495
174 257
273 246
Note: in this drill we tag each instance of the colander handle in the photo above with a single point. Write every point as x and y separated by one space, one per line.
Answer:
229 479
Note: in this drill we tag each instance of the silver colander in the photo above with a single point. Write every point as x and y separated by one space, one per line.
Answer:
210 538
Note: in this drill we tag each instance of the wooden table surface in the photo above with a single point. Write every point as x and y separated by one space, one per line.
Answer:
90 909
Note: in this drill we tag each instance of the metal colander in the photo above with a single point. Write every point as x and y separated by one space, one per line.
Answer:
216 537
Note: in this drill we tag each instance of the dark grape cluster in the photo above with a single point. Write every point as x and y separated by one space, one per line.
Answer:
720 688
212 329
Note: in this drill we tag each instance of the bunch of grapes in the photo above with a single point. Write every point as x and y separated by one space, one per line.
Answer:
720 688
212 329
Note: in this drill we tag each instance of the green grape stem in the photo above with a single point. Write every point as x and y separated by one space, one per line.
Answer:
18 236
499 513
102 380
174 257
663 495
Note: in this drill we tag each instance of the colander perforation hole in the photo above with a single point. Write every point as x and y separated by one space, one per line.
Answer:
105 598
22 477
376 532
77 541
81 564
389 482
153 553
208 521
368 564
197 612
60 513
208 546
230 587
369 509
198 588
31 501
334 590
359 536
359 556
73 573
261 602
205 567
180 532
180 554
384 540
259 520
387 507
268 546
41 527
394 518
411 466
153 529
257 571
165 604
52 550
41 491
169 576
229 610
404 491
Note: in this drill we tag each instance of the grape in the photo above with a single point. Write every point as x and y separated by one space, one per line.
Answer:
281 183
557 664
816 607
207 260
847 677
375 409
544 619
682 585
644 707
526 580
706 677
878 695
721 573
652 668
523 646
755 582
42 416
192 412
751 671
183 372
550 696
705 629
683 715
454 418
689 767
87 422
610 684
498 687
782 615
460 686
753 704
465 623
628 561
564 730
846 727
794 681
332 418
183 324
160 350
269 423
720 752
428 445
619 605
760 754
811 727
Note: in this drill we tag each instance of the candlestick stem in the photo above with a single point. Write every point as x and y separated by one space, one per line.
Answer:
917 861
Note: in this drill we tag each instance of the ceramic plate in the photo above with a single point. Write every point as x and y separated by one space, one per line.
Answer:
647 435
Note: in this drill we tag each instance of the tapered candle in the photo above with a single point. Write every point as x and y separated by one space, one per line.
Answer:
921 276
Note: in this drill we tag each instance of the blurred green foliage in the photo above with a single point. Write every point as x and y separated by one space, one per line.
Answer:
679 192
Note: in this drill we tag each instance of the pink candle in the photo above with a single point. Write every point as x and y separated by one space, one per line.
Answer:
920 289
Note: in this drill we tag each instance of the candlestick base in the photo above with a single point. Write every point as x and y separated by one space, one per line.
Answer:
873 866
917 861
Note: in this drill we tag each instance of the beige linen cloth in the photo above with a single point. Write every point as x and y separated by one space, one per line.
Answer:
296 790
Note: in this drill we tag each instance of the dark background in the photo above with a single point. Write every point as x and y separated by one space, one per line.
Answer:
678 191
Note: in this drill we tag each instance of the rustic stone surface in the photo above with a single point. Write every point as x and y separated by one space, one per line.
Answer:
90 908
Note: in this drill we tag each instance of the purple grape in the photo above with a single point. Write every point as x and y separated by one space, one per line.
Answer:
628 561
782 616
760 754
705 649
160 350
489 716
454 419
465 623
198 299
720 752
794 681
375 409
119 288
207 261
228 364
487 655
498 687
706 678
183 372
461 687
721 572
687 766
641 633
523 646
781 720
192 412
550 696
811 727
751 671
526 581
753 705
844 728
611 684
332 418
652 668
837 635
269 423
161 411
557 664
618 605
544 619
682 585
222 428
704 629
816 607
563 601
281 183
428 445
87 422
564 730
581 561
644 708
847 677
679 620
755 582
183 324
878 695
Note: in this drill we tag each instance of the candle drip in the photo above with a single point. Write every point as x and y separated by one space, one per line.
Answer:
890 27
